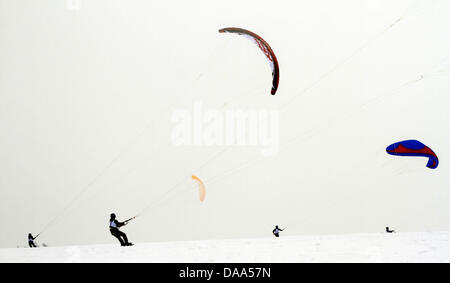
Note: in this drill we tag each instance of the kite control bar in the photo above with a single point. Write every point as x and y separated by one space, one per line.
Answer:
128 220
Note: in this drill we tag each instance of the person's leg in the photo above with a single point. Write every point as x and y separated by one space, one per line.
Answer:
124 237
117 235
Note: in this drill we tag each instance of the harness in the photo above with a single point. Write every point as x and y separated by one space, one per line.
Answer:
112 224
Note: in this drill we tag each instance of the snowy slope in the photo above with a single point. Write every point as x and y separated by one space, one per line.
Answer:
400 247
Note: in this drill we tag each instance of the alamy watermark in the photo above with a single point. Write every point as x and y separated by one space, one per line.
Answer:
236 127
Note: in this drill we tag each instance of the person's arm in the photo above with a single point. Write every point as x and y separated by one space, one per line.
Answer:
119 224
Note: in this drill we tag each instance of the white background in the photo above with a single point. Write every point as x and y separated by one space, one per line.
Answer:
86 98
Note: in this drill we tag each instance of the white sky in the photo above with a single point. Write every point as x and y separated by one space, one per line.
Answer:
79 88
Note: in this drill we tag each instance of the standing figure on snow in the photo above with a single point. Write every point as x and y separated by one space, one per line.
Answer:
276 231
114 226
31 240
389 231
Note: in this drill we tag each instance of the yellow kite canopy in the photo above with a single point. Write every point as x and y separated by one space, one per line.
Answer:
201 188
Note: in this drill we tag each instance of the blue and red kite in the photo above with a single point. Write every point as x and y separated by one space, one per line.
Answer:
414 148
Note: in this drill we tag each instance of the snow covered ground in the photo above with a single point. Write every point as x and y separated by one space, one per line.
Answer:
400 247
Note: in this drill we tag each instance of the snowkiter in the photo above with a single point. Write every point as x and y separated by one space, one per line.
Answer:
276 231
389 231
31 241
114 226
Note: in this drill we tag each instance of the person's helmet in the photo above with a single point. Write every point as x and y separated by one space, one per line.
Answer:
113 216
276 226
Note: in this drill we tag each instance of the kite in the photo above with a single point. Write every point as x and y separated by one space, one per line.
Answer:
414 148
201 188
265 48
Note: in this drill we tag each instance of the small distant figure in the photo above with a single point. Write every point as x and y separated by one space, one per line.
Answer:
114 226
389 231
276 231
31 241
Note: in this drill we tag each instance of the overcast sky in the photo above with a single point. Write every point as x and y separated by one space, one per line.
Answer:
88 89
